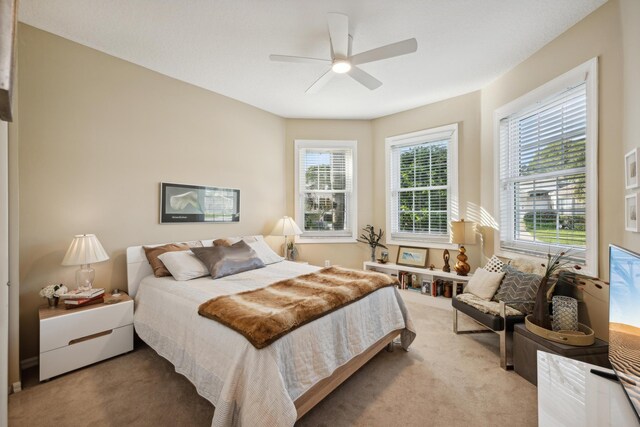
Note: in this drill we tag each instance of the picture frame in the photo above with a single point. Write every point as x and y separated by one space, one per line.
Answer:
631 169
412 257
631 212
185 203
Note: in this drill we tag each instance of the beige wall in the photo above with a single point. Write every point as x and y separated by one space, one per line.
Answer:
345 254
630 19
463 110
597 35
98 134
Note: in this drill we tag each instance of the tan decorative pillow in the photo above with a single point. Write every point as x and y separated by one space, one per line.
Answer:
222 242
152 253
484 284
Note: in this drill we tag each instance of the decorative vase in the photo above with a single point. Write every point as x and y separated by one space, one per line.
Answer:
373 254
565 313
53 302
540 316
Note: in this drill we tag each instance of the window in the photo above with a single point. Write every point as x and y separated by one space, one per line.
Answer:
547 169
422 186
325 190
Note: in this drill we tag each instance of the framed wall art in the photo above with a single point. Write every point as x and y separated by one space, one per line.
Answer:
631 169
631 212
412 257
181 203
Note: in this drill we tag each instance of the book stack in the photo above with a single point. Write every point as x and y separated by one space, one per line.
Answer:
77 298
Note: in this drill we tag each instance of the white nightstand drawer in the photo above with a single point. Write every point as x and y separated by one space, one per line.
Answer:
59 331
83 353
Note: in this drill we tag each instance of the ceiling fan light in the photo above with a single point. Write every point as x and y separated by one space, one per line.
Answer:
341 66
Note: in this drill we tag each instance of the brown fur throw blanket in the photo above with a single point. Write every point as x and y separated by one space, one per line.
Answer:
266 314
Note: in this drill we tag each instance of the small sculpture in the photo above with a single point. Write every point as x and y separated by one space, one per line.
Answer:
446 257
432 267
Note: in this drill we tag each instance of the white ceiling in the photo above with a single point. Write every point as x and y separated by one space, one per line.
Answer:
224 45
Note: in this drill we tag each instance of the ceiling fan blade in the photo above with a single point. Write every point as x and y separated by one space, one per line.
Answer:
302 59
384 52
364 78
318 84
339 33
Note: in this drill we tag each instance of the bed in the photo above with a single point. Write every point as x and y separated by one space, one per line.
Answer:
273 386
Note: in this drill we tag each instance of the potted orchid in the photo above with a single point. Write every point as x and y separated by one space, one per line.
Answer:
52 293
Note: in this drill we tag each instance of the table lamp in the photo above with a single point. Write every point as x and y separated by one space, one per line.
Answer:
286 227
85 249
462 233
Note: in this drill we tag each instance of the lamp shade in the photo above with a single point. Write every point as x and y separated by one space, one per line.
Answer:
463 232
85 249
286 226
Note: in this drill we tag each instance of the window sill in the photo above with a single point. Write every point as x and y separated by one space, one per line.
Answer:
323 240
423 244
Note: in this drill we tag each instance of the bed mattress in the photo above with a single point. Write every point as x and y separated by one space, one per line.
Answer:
248 386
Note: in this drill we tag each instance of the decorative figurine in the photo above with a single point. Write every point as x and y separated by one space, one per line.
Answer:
432 267
446 257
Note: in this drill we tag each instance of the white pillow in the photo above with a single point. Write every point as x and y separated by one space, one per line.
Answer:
264 251
494 265
483 283
183 265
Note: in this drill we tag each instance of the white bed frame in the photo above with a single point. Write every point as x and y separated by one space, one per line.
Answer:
138 268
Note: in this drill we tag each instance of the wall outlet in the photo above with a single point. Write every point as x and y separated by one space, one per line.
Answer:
327 263
17 387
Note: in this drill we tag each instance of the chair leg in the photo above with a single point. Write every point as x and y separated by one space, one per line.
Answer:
455 321
506 341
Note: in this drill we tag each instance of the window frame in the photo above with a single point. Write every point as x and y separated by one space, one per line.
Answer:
587 73
425 136
326 236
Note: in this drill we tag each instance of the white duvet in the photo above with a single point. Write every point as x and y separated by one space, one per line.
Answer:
249 386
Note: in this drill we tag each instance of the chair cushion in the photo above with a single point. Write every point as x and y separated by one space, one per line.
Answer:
483 311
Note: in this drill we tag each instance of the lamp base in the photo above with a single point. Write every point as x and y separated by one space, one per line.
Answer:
84 277
461 267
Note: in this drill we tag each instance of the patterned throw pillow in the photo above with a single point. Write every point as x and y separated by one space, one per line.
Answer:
518 286
494 265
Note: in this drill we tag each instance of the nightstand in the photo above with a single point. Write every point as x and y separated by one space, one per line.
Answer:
71 339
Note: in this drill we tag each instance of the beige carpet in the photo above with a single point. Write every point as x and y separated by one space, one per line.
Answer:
445 380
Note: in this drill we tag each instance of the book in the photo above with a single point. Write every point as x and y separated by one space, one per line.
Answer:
91 302
78 294
83 301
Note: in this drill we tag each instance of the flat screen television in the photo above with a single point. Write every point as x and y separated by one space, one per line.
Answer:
624 320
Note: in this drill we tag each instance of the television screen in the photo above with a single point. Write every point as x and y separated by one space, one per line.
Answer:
624 320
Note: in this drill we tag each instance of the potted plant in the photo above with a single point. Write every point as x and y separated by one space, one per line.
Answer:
52 293
555 263
372 239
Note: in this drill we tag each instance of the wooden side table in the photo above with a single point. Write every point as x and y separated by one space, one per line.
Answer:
71 339
526 345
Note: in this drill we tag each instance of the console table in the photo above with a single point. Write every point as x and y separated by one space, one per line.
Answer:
526 344
570 395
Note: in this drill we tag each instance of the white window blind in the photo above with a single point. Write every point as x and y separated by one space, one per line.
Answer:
421 187
325 199
543 176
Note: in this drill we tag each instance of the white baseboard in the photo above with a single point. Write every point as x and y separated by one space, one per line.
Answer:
29 363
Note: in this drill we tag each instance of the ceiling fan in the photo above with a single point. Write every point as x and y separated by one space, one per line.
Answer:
341 59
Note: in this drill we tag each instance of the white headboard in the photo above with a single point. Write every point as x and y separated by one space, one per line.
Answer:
138 266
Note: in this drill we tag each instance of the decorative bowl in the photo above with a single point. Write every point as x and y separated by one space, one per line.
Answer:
583 337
